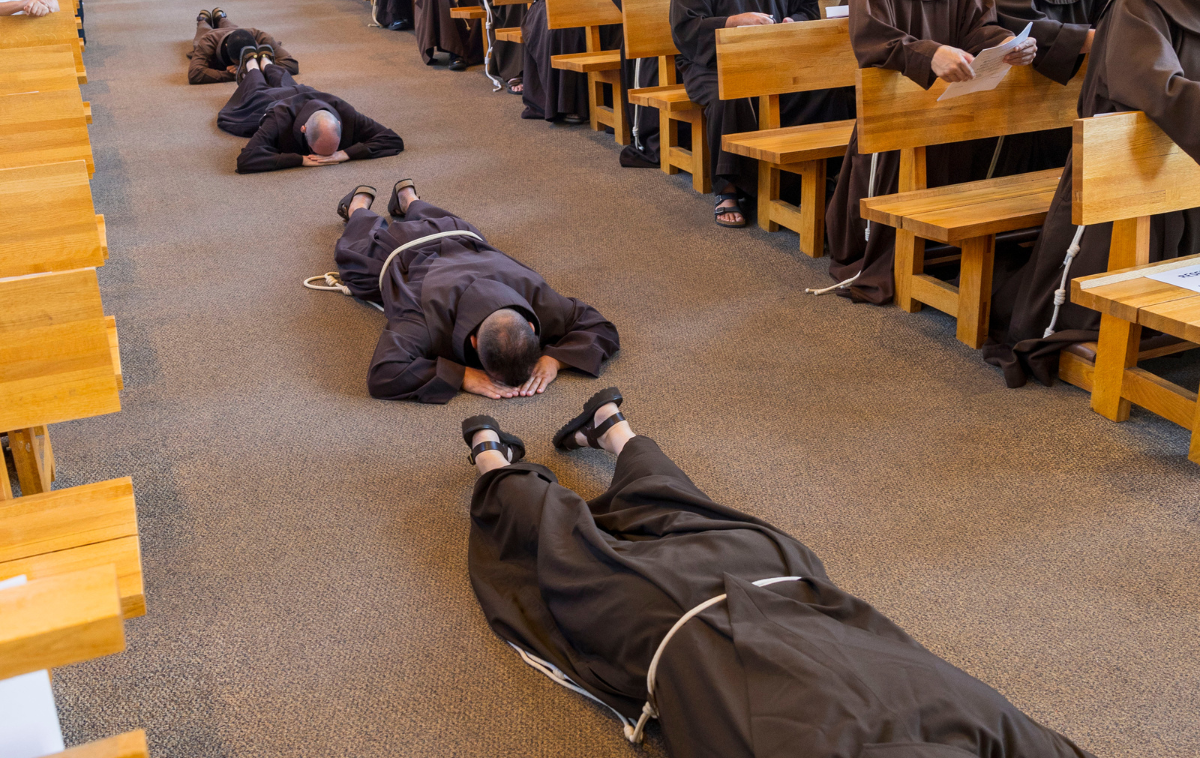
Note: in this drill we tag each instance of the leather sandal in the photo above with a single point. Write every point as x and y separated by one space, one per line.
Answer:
265 51
564 439
205 16
216 14
394 202
718 211
249 53
343 207
510 446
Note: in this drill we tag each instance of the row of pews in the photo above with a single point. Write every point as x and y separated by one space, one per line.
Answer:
1126 170
70 562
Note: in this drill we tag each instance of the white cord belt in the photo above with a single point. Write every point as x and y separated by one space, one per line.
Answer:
452 233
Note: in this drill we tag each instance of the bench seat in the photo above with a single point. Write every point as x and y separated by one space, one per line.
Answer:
38 69
792 144
510 34
672 98
588 63
128 745
968 216
469 13
45 127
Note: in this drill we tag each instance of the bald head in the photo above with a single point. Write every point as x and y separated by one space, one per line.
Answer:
508 347
323 131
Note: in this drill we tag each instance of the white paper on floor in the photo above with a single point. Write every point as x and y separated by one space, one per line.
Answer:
28 719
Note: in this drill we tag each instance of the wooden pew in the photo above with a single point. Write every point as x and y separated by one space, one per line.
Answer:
49 222
128 745
60 620
510 34
60 28
647 26
56 364
44 127
1125 171
603 67
69 530
896 114
38 69
769 61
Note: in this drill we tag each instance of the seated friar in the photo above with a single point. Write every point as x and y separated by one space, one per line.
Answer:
658 602
291 124
461 314
694 25
1145 57
218 44
36 8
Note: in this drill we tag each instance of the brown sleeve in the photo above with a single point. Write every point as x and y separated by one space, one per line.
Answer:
878 43
979 28
1059 44
199 71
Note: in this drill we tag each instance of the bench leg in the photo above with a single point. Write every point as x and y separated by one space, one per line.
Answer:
1194 452
975 290
47 451
6 492
1116 351
701 160
768 193
595 100
621 128
29 458
668 140
910 261
812 209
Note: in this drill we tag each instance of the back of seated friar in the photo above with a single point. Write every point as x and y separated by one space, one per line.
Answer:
461 314
1145 56
694 25
925 41
291 124
219 43
37 8
438 32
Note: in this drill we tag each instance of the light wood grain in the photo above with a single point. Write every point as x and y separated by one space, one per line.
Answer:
38 69
59 28
510 34
64 519
586 63
568 14
60 620
44 127
128 745
1125 166
469 12
792 144
38 301
124 554
648 28
778 59
672 98
895 113
49 222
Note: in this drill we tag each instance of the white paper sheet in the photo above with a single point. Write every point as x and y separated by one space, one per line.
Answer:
28 719
1187 277
837 11
990 68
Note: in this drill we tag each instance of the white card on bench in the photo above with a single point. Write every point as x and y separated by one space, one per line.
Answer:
837 11
28 719
1187 277
990 68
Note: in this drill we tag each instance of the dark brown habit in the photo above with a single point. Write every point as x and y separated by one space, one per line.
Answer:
1146 56
438 32
694 25
508 58
643 150
438 292
549 92
387 13
901 35
797 668
209 66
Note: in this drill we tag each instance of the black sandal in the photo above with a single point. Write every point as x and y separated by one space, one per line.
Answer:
718 211
249 53
394 202
564 439
265 51
510 445
343 208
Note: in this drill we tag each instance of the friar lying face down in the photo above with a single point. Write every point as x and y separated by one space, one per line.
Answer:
659 603
461 314
218 44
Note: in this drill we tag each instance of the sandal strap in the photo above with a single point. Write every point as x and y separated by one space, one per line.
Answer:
594 433
488 445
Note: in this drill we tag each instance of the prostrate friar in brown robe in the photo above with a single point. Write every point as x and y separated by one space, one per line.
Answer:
901 35
1145 56
210 57
694 25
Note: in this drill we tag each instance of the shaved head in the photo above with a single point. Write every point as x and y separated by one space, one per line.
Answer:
323 130
508 347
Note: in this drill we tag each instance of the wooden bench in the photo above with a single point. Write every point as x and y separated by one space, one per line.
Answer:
602 67
896 114
60 532
56 364
49 222
38 69
59 28
510 34
647 26
1126 170
769 61
44 127
128 745
469 13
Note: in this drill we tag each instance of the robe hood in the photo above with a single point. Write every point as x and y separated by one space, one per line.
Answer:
305 113
480 300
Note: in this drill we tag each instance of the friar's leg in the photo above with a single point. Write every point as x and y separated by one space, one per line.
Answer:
203 27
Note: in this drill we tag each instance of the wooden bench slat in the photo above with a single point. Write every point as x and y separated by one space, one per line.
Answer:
470 12
672 98
510 34
57 28
49 222
64 519
128 745
792 144
1180 317
124 554
39 301
44 127
586 63
37 69
60 620
569 14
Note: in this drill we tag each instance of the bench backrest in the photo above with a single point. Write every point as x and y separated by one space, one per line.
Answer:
779 59
569 14
895 114
648 29
1125 166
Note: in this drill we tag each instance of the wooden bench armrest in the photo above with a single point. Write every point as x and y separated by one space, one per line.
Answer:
103 229
587 63
114 347
128 745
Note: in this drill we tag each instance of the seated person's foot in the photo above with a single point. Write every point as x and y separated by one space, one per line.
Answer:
573 119
491 447
266 56
403 193
360 197
728 211
515 86
401 25
457 63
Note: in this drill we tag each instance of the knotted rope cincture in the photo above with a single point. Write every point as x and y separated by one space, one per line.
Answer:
1060 294
637 82
871 191
374 16
333 283
487 47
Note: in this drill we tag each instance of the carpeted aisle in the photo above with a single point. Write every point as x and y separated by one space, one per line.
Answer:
305 545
